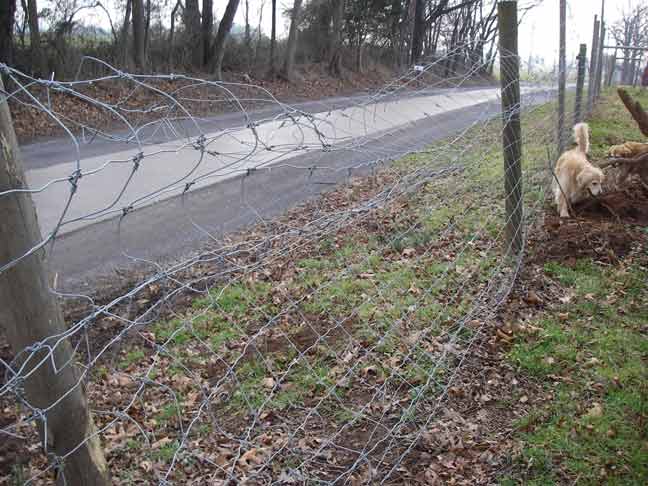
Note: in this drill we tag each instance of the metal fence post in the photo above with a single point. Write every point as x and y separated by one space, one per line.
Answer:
512 133
580 83
32 317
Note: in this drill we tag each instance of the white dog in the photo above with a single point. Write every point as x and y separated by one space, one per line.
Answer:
576 177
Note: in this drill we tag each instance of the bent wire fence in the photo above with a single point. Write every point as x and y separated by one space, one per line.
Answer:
346 255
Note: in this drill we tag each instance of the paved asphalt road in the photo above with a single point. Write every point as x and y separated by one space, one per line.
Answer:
176 226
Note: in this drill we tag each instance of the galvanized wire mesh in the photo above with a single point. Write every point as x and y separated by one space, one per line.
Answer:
317 343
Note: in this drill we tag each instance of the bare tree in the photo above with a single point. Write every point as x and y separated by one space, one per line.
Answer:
248 36
174 13
207 28
7 14
334 32
291 48
258 40
632 31
224 28
193 32
123 36
139 53
335 49
147 25
273 38
419 30
39 63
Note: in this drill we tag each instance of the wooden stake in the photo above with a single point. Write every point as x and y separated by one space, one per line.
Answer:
32 317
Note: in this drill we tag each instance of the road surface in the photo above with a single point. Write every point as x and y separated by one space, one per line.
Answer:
248 171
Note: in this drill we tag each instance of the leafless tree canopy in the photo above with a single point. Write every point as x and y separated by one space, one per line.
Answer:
45 36
631 31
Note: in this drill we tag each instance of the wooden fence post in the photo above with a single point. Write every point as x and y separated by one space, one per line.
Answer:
512 133
580 84
562 76
591 84
599 63
32 317
601 46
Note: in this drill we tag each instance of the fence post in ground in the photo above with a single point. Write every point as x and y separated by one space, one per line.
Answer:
580 83
599 63
50 384
611 68
592 71
512 133
562 76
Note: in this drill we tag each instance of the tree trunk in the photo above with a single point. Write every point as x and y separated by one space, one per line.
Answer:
123 41
207 29
451 54
221 38
258 40
174 12
33 318
273 39
359 54
396 9
435 38
39 63
248 36
626 67
193 33
147 25
138 34
7 14
335 61
419 31
408 33
291 48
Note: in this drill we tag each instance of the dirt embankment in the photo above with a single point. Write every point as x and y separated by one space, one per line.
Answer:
605 228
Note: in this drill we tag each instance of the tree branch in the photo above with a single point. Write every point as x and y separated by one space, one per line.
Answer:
641 159
636 110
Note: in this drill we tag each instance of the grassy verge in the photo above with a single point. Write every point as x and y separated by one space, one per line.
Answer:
360 326
590 356
339 338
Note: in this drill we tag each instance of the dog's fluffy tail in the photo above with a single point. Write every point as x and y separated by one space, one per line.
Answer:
581 134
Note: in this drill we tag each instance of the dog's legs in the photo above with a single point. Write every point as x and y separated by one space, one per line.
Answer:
561 189
563 208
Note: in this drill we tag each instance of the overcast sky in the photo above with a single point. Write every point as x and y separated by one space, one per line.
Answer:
539 32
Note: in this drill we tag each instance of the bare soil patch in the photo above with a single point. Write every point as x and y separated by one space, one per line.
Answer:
605 229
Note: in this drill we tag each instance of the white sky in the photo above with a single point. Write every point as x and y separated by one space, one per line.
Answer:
539 31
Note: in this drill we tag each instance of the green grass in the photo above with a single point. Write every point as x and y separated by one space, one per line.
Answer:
612 124
219 318
419 272
132 357
302 382
590 358
594 430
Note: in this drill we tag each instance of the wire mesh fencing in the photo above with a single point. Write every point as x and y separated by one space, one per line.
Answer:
334 265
